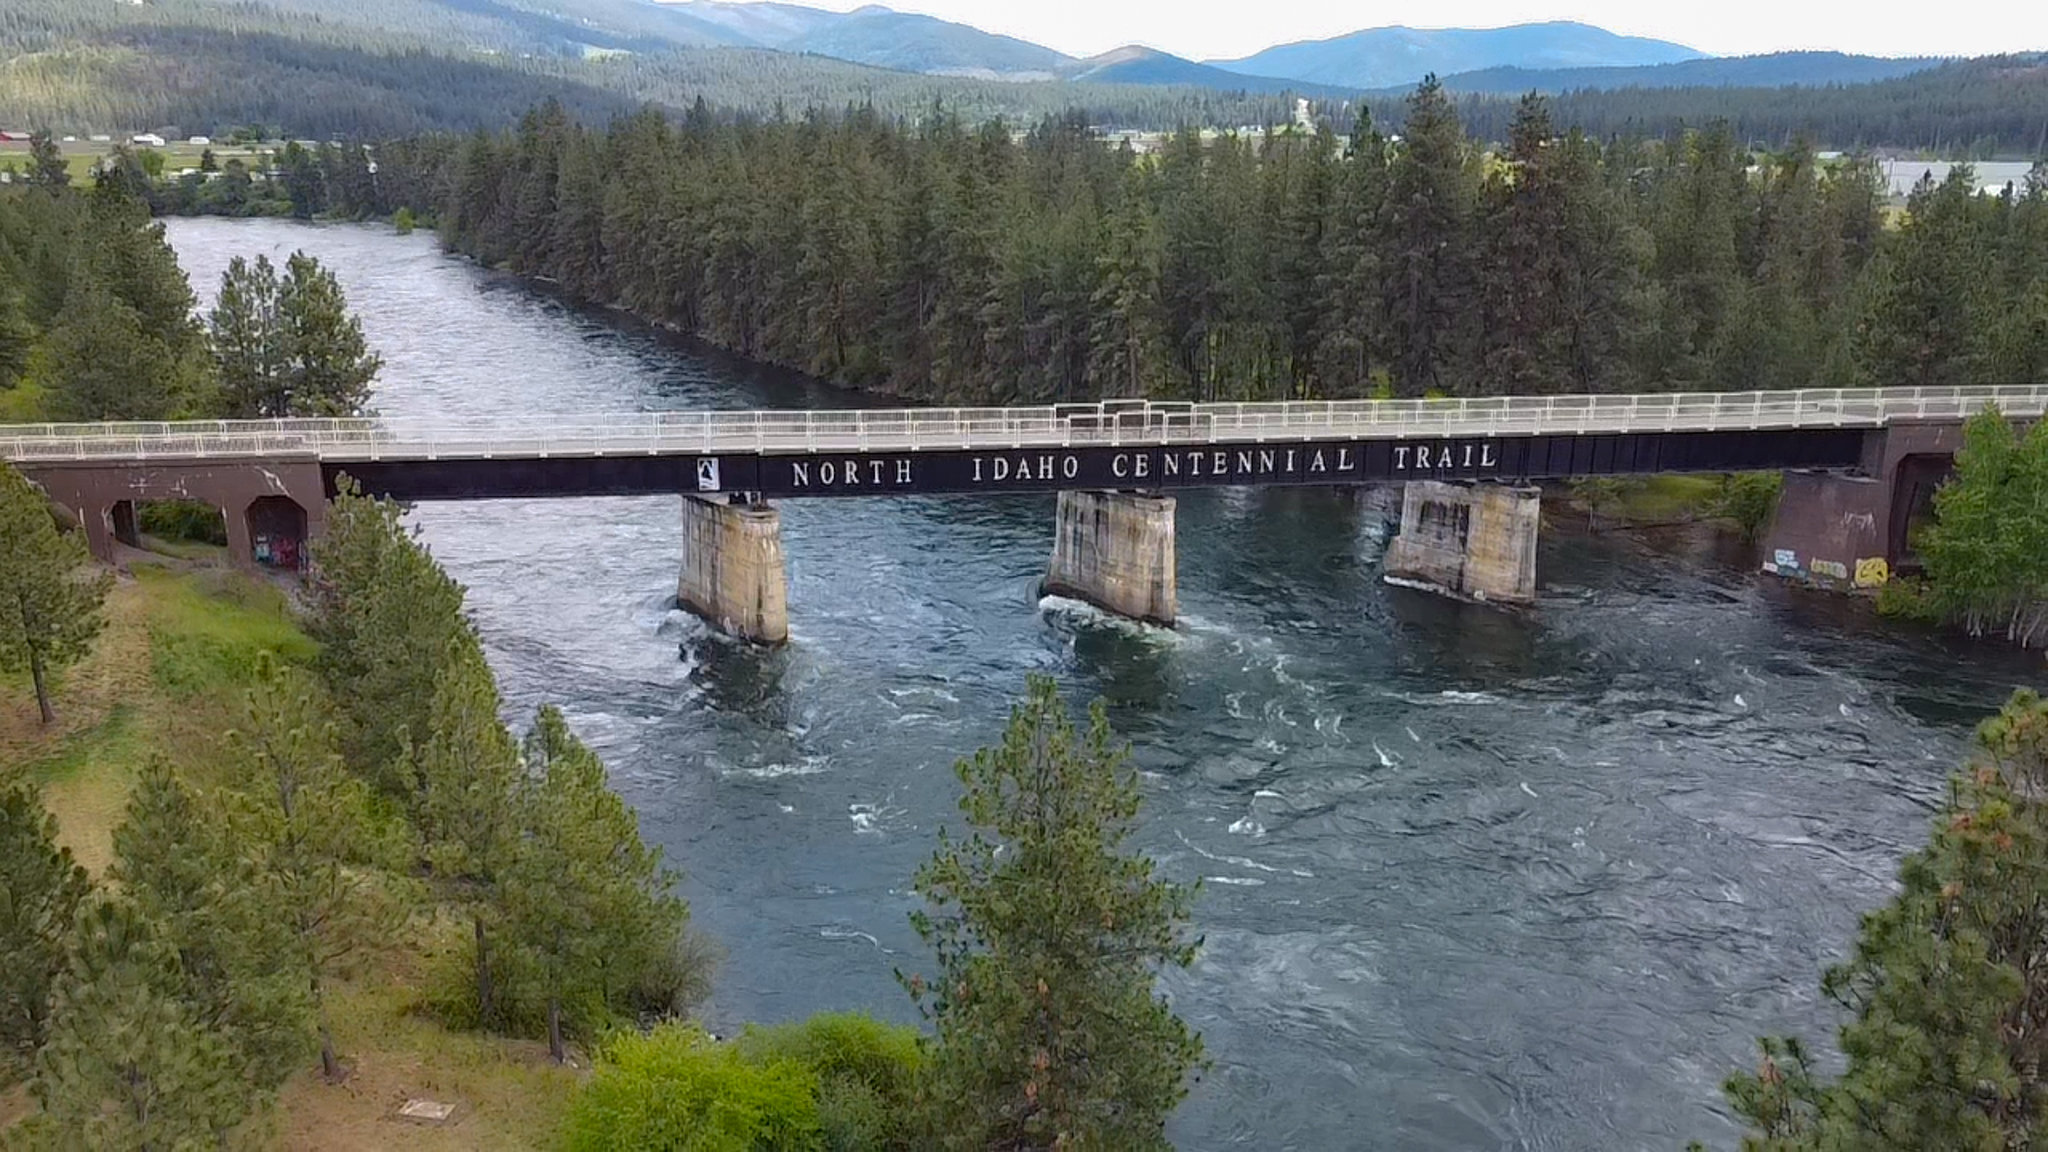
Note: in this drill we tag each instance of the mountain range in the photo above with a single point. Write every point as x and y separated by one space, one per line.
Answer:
1553 56
1388 57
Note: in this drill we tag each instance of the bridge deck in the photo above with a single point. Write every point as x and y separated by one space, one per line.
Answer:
1107 424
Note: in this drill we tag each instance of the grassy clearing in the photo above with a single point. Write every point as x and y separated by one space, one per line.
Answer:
81 155
166 679
506 1093
1659 499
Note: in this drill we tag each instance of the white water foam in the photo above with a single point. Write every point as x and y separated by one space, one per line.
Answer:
1080 611
1241 861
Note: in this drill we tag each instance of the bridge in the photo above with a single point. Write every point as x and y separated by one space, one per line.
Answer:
1858 460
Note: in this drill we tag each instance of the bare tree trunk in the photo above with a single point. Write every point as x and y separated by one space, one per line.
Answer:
35 666
330 1066
555 1029
485 1008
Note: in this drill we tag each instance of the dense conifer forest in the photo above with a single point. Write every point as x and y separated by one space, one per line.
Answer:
399 67
950 262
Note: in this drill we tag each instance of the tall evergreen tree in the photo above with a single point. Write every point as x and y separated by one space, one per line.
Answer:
244 974
327 361
588 906
38 902
248 340
313 838
467 772
50 599
288 346
128 1064
105 364
1049 1033
385 615
46 165
1428 245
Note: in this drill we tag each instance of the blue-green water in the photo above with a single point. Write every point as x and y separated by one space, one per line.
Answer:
1472 880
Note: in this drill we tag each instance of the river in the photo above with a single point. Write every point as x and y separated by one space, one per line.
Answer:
1473 880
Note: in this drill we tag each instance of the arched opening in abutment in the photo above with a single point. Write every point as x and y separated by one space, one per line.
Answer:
277 533
182 521
1914 484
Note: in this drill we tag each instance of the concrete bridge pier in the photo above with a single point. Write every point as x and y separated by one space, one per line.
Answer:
733 574
1473 541
1115 551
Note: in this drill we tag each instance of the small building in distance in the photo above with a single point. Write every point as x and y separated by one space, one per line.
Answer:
147 140
10 136
200 141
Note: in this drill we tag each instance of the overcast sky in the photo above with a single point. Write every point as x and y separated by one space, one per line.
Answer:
1209 29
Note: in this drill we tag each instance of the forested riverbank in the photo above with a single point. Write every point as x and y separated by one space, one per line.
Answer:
1340 751
948 262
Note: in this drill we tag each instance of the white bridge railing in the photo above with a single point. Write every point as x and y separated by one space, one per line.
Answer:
1109 423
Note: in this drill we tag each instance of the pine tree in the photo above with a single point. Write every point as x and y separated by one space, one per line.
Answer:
467 773
313 839
38 902
105 364
288 347
1949 995
588 906
248 341
1351 337
385 615
328 361
243 975
1428 245
49 599
1124 338
128 1064
46 166
1049 1032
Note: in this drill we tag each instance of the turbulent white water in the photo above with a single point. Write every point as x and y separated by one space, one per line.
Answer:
1472 879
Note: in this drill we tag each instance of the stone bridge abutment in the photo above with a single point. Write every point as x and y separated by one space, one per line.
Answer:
271 507
1845 528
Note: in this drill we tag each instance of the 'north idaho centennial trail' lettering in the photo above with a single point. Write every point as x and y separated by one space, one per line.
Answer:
1162 466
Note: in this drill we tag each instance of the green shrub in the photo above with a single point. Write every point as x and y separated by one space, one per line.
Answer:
183 520
865 1070
1751 499
404 221
677 981
1908 600
674 1089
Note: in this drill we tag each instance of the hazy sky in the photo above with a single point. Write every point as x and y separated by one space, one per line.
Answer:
1207 29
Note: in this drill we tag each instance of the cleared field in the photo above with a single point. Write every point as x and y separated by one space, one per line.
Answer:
80 156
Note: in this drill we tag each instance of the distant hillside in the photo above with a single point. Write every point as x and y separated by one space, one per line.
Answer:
1388 57
1134 64
912 43
1993 106
757 23
1777 70
380 68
